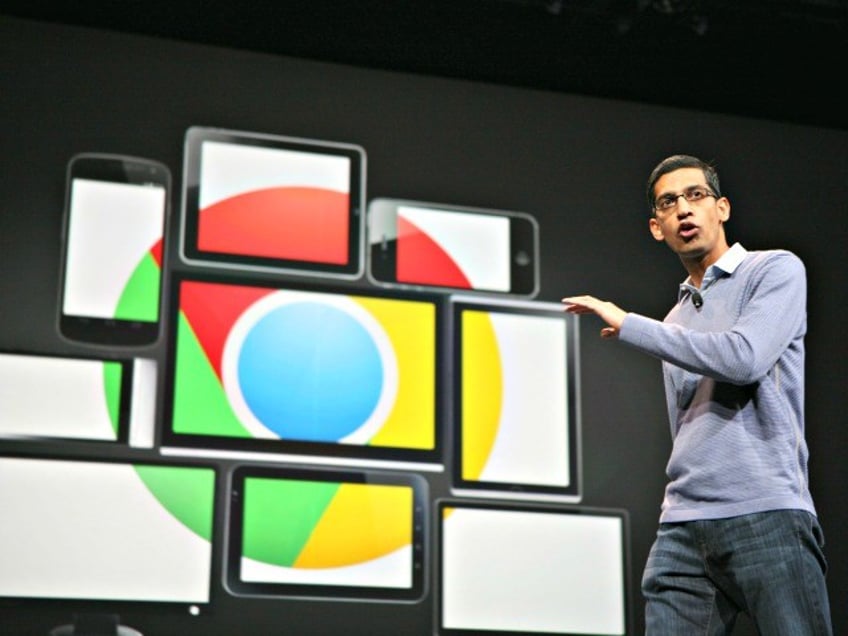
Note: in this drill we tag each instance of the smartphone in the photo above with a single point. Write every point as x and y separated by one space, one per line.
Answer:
450 247
115 214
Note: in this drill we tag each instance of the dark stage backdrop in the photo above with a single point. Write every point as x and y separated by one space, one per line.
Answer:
577 164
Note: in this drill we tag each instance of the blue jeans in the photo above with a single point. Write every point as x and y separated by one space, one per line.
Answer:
701 574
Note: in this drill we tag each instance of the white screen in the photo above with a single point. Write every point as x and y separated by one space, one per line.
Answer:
228 169
477 244
515 419
112 227
89 530
529 572
54 397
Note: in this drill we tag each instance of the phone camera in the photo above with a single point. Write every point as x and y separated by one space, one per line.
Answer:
522 258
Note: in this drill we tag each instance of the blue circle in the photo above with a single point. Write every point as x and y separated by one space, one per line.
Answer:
310 371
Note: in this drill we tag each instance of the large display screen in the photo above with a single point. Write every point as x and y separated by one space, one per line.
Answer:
522 570
105 531
275 368
265 202
324 533
516 416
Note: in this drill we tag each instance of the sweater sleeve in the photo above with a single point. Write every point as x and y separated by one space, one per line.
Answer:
772 314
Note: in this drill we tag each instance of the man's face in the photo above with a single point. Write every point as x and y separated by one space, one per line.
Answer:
694 229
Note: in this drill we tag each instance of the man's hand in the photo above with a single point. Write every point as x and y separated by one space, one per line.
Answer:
608 312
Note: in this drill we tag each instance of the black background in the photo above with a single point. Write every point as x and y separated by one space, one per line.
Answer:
578 163
768 59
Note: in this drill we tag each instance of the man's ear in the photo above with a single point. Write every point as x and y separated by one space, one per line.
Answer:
656 230
723 205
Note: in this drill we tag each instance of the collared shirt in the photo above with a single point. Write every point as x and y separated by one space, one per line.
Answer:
724 266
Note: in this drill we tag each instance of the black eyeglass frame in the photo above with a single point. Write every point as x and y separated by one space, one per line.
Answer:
691 194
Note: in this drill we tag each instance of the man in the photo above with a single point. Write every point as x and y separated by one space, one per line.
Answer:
738 529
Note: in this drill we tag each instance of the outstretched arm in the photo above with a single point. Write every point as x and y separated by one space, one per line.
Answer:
772 316
607 311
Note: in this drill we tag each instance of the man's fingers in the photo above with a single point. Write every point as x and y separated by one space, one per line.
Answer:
580 304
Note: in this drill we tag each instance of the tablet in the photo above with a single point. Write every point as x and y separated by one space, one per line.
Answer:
264 202
65 397
117 531
515 569
332 534
515 390
319 372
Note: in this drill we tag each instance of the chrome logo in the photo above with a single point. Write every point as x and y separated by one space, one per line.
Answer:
298 366
327 532
268 363
454 249
309 224
514 402
140 297
274 203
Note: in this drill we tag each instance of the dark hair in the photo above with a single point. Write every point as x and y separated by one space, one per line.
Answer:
676 162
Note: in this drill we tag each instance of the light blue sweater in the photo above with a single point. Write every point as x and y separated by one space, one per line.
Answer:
734 382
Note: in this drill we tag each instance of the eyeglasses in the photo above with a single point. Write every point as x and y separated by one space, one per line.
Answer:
695 194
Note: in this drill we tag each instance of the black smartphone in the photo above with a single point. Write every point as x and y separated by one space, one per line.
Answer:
450 247
115 215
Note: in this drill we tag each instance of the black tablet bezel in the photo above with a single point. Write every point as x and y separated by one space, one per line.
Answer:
191 254
419 524
302 450
573 491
